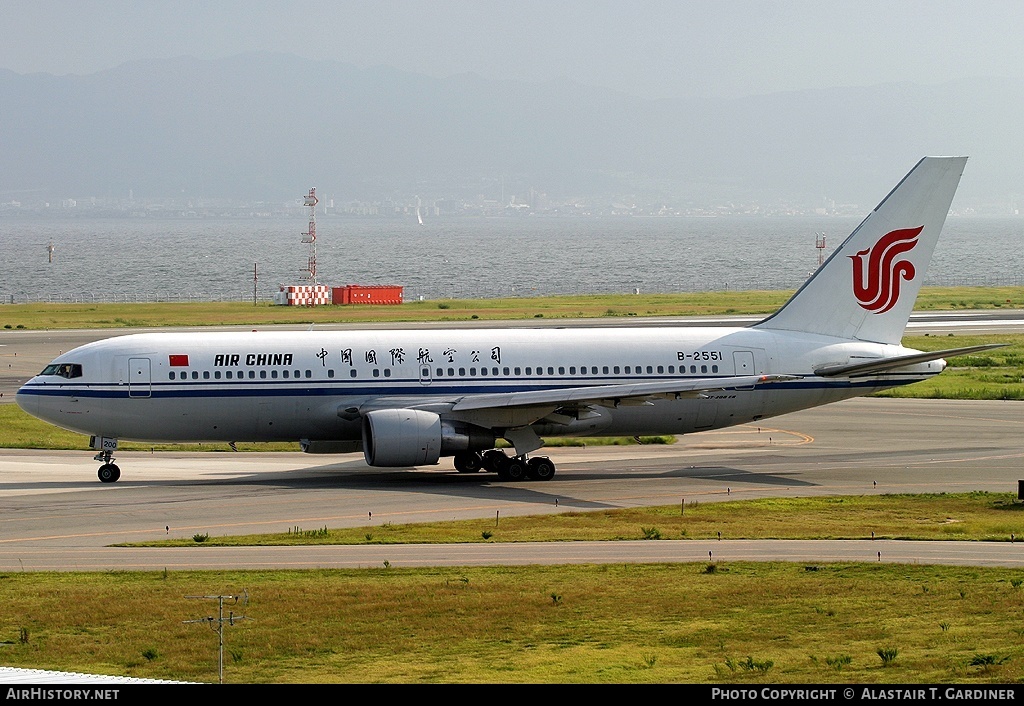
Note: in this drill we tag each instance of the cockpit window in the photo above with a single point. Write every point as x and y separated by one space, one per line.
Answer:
65 370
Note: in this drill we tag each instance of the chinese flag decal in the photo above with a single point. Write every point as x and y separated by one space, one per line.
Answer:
179 361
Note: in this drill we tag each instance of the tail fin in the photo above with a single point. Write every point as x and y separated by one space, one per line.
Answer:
867 287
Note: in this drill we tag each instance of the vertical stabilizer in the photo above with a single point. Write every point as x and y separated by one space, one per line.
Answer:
867 287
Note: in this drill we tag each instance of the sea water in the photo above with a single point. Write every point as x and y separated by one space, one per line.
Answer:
181 259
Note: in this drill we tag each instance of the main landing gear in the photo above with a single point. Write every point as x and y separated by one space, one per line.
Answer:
509 468
109 472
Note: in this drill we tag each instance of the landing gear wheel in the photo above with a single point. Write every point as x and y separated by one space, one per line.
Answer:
109 473
540 468
493 460
514 470
468 462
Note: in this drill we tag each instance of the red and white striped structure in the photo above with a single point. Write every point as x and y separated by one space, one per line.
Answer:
303 295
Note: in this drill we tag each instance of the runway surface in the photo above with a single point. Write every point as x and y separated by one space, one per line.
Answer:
55 514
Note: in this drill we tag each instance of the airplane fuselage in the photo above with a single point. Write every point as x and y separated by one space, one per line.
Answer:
409 397
288 386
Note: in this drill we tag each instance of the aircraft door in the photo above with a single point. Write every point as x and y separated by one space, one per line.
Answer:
425 378
140 383
744 362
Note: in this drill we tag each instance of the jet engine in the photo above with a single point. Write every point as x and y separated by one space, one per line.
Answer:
413 437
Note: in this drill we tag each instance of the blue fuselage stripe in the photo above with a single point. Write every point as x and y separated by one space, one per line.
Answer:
413 388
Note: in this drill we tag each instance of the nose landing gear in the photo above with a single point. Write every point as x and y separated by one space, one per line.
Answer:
109 472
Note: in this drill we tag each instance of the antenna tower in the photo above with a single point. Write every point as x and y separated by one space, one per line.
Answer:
310 236
819 243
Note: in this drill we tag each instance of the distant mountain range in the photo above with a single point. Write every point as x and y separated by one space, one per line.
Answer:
263 126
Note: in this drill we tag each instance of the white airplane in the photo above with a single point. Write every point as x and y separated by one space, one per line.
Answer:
409 397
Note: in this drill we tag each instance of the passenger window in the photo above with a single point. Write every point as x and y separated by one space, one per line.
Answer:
170 375
439 372
661 369
551 370
627 370
330 373
195 374
227 374
206 375
216 375
529 371
451 372
703 368
273 374
472 372
714 368
351 373
462 372
387 372
483 371
693 368
561 370
376 373
309 373
504 372
252 374
572 369
284 373
518 372
616 370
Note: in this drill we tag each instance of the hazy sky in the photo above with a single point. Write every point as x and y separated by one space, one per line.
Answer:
652 48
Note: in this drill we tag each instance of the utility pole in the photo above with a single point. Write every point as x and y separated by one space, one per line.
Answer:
217 624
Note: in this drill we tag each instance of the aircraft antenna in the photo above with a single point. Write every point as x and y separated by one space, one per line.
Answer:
309 236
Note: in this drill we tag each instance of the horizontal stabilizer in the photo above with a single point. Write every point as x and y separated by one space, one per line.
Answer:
882 364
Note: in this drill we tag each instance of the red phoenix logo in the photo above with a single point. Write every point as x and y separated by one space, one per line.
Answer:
877 275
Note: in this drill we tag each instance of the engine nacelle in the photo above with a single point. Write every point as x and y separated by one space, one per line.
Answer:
413 437
401 437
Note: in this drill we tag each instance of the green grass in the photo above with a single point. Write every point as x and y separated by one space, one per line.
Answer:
110 315
974 516
746 623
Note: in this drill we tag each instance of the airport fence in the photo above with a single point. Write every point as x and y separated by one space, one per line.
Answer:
457 291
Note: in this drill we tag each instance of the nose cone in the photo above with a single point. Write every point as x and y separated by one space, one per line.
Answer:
28 402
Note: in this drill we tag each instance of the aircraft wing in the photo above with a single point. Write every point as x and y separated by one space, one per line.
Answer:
627 393
882 364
